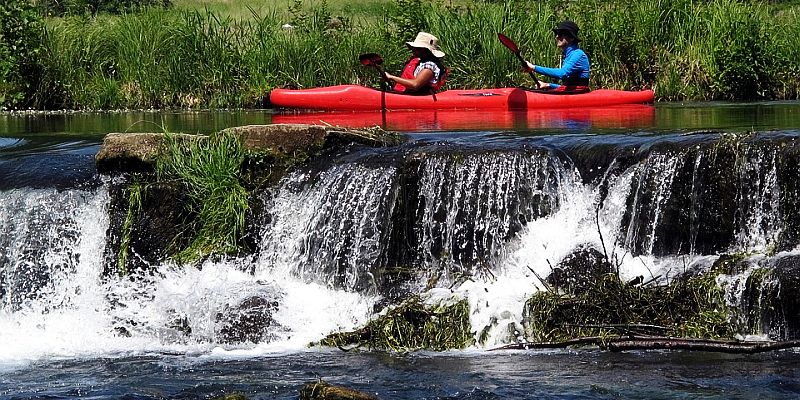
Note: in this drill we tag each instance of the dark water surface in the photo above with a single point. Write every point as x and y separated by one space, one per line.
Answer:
582 374
55 150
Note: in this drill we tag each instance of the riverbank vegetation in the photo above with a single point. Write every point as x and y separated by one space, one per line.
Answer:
162 55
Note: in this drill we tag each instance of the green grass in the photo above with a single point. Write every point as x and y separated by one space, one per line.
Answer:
209 170
231 55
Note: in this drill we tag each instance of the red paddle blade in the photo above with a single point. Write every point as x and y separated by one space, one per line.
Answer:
370 59
508 42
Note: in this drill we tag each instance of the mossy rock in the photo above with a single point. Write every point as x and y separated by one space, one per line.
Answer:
692 305
133 152
412 325
579 270
137 152
325 391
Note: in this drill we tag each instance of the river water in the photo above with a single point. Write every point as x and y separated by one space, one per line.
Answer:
57 337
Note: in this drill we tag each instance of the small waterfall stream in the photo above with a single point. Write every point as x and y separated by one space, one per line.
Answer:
481 221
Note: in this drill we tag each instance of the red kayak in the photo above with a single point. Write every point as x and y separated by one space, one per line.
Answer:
354 97
626 116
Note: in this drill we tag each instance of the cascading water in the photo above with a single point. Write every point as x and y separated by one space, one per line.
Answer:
472 204
758 194
652 191
56 303
331 230
489 222
50 263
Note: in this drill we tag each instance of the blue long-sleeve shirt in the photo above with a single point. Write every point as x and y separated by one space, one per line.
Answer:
575 65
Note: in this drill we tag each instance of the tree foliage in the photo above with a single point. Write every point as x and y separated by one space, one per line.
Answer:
20 40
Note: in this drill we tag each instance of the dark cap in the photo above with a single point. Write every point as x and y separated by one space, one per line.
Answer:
570 27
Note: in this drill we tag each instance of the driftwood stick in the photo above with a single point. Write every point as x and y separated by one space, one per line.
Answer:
628 329
659 343
546 285
706 345
589 340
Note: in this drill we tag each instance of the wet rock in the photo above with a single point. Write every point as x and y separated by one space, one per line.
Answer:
137 152
248 321
287 139
325 391
697 199
579 271
155 228
787 165
231 396
132 152
772 299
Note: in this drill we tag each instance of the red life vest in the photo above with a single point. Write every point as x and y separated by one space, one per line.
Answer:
408 73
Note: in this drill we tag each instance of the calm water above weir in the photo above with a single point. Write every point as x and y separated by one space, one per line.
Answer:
663 118
58 330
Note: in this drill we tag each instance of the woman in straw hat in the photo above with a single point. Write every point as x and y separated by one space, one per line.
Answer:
424 72
574 71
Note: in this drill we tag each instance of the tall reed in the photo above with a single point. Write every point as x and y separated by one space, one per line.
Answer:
684 49
209 170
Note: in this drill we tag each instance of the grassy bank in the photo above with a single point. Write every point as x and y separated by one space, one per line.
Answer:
199 55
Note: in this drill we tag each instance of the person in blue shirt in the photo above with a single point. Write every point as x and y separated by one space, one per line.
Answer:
574 71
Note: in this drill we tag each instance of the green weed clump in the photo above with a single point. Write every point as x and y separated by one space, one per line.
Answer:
689 307
134 207
209 171
412 326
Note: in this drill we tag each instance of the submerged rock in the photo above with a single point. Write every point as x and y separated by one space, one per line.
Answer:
247 321
325 391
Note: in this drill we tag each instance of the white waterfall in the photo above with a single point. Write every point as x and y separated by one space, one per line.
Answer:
513 214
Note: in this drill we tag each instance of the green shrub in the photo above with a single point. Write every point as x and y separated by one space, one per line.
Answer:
20 38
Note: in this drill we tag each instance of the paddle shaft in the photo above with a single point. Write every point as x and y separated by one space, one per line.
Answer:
524 64
506 41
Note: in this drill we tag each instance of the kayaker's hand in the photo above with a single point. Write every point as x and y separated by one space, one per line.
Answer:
528 67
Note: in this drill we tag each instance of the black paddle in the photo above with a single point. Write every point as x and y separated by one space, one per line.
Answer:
375 60
514 49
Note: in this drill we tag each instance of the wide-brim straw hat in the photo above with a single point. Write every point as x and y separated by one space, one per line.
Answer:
427 41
